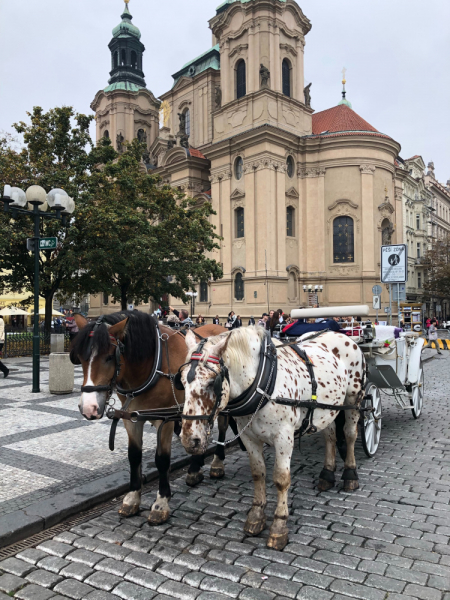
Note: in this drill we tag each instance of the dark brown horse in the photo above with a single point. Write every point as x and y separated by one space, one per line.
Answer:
121 350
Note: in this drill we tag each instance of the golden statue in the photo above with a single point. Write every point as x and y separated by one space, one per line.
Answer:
164 113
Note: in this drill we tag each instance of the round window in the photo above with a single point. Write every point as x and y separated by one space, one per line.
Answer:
239 168
290 166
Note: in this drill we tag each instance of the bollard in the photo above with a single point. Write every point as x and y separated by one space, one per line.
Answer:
56 343
61 374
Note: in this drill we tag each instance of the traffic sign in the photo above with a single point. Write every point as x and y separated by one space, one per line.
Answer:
387 310
394 263
48 243
377 290
377 302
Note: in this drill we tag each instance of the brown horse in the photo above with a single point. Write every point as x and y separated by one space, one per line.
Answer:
120 350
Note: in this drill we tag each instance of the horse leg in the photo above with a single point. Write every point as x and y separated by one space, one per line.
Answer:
256 518
132 500
350 475
279 533
326 477
217 466
160 511
195 474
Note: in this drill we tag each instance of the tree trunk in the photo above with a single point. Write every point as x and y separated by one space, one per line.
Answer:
124 296
48 313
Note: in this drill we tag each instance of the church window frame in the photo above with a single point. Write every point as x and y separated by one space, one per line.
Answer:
116 59
106 134
344 239
134 59
239 287
286 75
187 126
239 222
239 168
290 221
203 291
123 58
290 166
241 79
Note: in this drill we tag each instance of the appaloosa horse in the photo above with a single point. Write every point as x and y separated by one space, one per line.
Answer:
226 368
119 350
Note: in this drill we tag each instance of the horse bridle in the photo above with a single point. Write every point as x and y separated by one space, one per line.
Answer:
221 375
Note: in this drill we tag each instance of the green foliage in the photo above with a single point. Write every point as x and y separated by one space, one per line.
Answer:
437 265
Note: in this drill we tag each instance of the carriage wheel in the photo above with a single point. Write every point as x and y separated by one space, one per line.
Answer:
416 398
370 424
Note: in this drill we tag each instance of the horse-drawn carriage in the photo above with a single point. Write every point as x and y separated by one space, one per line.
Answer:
394 366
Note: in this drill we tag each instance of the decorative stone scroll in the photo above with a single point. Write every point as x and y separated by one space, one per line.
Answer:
367 169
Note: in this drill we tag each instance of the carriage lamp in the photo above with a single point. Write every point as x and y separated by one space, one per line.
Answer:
37 204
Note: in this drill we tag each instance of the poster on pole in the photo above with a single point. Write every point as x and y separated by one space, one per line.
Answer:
394 263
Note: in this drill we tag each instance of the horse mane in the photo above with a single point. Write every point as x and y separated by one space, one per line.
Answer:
238 350
140 339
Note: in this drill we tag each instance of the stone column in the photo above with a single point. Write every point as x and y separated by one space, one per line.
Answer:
264 228
315 227
227 85
369 259
300 70
281 220
227 221
275 72
250 220
252 59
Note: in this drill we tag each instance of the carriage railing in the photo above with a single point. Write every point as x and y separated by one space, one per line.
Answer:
21 344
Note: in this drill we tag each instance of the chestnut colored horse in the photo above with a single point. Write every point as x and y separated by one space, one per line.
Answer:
120 350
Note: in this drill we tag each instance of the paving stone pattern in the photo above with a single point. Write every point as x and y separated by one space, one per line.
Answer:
389 540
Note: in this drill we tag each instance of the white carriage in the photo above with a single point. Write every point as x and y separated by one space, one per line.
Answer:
394 366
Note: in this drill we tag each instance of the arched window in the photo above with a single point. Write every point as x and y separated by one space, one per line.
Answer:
290 166
238 168
133 59
241 79
239 218
343 240
203 291
106 134
124 58
105 298
290 221
239 287
286 74
187 127
116 59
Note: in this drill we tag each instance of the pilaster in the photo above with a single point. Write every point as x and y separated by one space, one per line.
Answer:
368 225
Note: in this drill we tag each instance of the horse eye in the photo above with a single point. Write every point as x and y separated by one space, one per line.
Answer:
109 358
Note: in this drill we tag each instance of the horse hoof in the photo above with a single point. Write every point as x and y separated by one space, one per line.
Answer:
324 486
193 479
158 517
278 541
255 527
351 485
129 510
217 473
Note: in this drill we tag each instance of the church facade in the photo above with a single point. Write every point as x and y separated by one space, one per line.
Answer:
303 200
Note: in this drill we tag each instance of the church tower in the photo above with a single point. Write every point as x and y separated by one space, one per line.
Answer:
126 109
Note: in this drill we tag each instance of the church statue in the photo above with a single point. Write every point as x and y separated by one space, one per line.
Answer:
142 136
120 141
265 76
164 113
182 117
218 97
387 234
184 141
307 92
171 144
146 157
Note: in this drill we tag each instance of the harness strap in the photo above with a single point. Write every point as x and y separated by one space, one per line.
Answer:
115 421
307 424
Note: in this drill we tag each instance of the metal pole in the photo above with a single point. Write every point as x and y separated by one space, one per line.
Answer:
398 303
390 304
267 285
36 339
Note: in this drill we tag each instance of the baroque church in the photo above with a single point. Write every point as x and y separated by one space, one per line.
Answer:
303 200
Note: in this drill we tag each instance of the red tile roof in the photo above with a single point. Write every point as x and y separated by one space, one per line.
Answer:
414 157
196 153
338 119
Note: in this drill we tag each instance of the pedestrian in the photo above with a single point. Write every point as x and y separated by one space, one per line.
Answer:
269 319
251 321
263 320
200 320
238 322
231 319
433 335
183 315
216 320
3 368
71 327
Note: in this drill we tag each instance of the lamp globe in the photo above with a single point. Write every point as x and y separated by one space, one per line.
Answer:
36 195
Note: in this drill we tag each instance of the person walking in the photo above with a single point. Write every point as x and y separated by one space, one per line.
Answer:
433 335
216 320
231 320
238 322
71 327
3 368
251 321
200 320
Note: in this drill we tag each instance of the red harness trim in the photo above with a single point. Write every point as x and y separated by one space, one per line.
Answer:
215 360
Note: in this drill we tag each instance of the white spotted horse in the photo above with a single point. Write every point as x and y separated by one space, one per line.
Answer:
128 352
272 392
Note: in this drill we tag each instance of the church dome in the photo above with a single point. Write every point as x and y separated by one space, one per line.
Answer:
126 28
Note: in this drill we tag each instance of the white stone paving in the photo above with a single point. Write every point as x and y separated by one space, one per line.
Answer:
13 480
28 420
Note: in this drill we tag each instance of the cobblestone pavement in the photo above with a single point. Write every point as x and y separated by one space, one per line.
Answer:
389 540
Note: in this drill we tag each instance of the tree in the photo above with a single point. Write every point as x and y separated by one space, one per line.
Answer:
137 239
437 265
56 154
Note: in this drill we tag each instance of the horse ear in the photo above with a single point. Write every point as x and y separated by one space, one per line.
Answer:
80 321
191 342
119 329
221 346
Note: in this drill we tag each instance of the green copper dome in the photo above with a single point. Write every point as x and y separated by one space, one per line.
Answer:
126 28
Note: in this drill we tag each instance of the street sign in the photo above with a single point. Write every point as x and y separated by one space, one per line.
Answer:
377 290
48 243
394 263
399 293
377 302
131 307
387 310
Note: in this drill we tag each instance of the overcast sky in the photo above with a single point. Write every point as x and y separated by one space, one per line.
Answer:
396 53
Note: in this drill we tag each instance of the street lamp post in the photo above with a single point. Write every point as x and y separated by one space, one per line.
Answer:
313 289
35 203
193 296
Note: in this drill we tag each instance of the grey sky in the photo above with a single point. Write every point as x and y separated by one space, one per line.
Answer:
396 53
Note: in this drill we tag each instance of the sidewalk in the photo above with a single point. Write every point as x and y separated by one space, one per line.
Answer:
53 462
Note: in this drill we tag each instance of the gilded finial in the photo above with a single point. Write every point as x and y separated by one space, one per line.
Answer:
126 2
344 71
